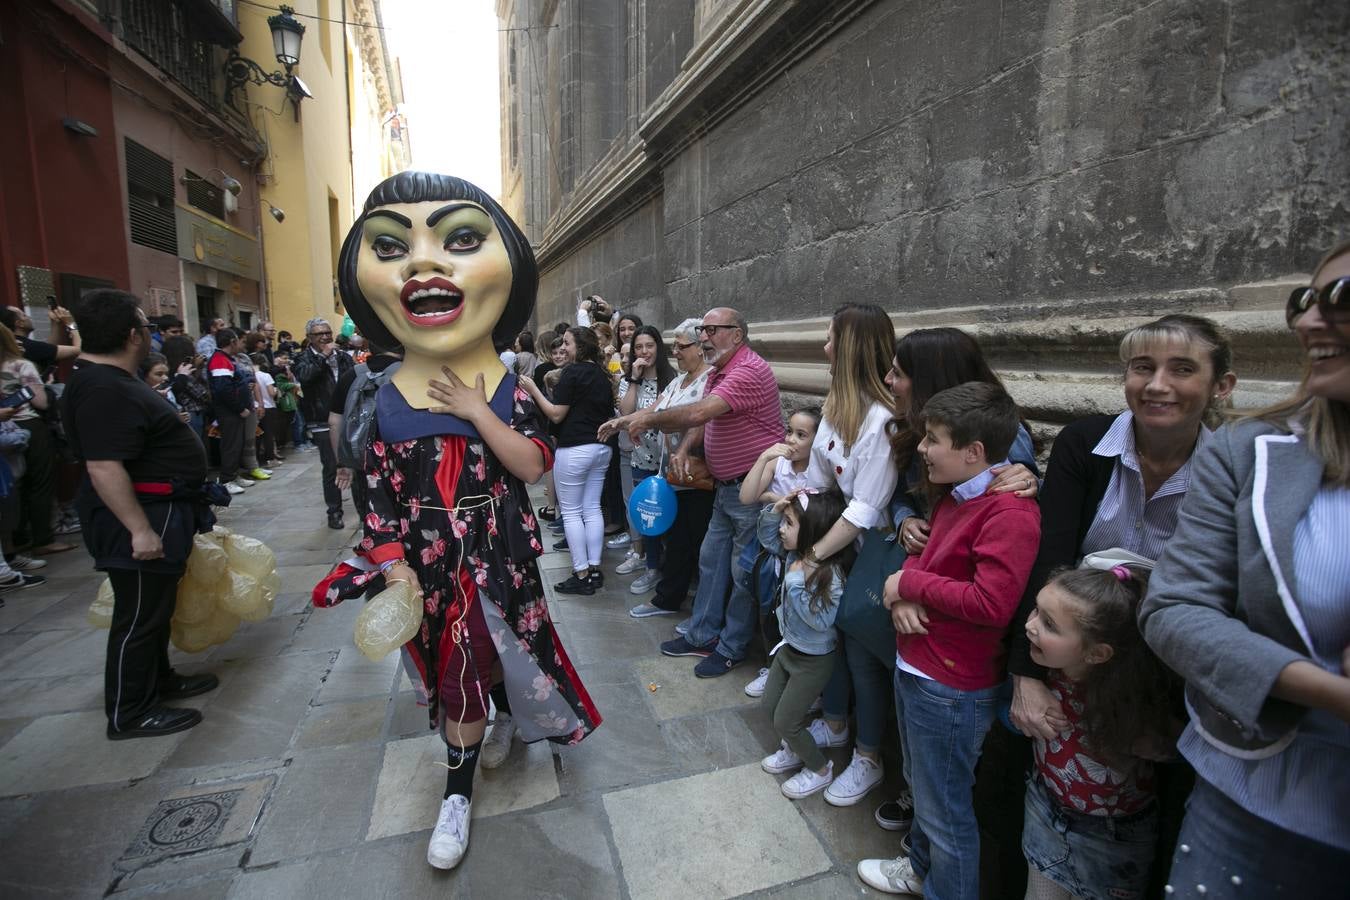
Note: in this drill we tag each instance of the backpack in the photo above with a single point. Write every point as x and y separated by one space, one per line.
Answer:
359 414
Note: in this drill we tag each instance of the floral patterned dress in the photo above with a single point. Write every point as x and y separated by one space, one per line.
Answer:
440 498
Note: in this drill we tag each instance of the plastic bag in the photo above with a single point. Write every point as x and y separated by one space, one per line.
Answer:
389 621
101 610
208 561
241 595
250 556
195 602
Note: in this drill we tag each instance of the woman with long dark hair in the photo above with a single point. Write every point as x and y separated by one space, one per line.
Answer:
435 266
649 373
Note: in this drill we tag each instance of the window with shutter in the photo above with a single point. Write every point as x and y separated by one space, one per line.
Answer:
150 198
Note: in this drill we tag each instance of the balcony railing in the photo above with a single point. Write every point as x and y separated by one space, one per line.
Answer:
176 38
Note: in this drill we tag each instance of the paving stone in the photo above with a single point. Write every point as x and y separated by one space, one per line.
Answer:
412 780
56 653
680 693
11 727
354 677
210 887
73 749
70 612
322 803
717 740
255 711
328 629
597 638
568 856
410 719
849 833
292 603
392 869
42 696
832 885
255 639
342 723
19 609
625 749
685 849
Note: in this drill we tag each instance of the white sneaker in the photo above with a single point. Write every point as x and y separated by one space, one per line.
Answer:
780 761
643 610
622 539
805 783
264 470
645 582
497 745
451 837
233 488
891 876
244 482
26 563
825 737
756 687
632 562
854 782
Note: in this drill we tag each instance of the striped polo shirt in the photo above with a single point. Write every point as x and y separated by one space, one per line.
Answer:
734 440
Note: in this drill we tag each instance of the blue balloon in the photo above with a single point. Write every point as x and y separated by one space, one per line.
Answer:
651 508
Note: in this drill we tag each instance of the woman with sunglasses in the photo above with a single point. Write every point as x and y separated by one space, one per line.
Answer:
1250 604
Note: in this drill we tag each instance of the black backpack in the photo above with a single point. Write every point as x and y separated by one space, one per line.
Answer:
359 414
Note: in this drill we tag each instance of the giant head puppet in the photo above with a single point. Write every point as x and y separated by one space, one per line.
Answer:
436 266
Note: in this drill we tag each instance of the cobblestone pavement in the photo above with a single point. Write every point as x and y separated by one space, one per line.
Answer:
314 774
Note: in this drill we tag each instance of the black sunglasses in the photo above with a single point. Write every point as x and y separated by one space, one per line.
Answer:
710 330
1333 300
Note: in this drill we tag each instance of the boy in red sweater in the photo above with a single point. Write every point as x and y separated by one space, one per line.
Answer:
951 607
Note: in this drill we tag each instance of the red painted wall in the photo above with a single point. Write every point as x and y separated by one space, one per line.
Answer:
61 196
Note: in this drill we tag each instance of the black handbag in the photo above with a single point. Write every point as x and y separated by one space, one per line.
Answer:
861 614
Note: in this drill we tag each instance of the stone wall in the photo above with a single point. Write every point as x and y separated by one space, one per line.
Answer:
1044 173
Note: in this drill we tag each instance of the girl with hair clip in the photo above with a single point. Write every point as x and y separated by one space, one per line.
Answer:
435 266
804 659
1250 604
1091 812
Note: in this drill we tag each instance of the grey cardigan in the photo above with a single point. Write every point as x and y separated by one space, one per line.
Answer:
1222 607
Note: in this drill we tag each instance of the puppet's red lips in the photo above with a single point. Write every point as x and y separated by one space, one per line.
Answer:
430 302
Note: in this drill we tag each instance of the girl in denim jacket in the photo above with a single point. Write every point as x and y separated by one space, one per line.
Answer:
804 659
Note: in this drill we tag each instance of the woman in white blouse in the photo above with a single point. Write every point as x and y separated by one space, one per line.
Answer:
852 451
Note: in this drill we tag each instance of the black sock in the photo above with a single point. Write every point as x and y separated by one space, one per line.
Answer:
499 699
463 761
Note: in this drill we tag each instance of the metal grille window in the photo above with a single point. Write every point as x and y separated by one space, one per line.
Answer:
173 39
204 195
150 198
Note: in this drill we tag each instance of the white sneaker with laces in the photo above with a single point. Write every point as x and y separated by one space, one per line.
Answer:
891 876
632 562
244 482
805 783
780 761
756 687
854 782
26 563
645 582
497 745
233 488
451 837
825 736
622 539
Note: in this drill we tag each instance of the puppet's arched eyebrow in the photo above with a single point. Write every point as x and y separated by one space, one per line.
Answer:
447 210
390 214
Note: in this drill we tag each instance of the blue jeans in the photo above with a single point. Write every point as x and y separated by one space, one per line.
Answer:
870 680
724 611
941 732
1237 854
298 428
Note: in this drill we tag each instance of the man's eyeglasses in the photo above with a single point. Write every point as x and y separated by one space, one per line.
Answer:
1333 300
319 335
710 330
680 348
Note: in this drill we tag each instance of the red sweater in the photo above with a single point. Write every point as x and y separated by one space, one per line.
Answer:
970 579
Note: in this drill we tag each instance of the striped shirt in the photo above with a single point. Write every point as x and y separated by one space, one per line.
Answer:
1124 518
734 440
1304 787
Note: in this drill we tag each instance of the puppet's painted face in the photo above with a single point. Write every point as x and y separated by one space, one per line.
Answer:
436 273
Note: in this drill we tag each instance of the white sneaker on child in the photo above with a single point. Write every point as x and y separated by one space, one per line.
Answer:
891 876
632 562
497 745
451 837
854 782
756 687
827 737
805 783
782 760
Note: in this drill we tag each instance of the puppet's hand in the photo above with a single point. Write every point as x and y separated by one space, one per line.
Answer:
457 398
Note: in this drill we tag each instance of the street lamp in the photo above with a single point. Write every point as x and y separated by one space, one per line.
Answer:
286 34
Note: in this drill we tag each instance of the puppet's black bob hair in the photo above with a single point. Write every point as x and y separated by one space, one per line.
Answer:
417 187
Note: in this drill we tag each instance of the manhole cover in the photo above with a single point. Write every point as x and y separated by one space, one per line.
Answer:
183 825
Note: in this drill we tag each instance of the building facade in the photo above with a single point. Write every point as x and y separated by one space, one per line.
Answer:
1043 174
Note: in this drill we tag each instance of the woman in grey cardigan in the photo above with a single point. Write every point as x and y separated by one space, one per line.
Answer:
1250 603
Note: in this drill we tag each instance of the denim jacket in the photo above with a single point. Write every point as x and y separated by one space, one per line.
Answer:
804 630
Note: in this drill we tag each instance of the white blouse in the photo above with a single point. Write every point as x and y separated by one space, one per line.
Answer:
864 472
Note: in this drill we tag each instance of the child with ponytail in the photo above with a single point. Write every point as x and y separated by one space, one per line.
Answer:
1091 816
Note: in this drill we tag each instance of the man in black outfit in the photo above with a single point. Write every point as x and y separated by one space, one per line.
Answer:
318 370
140 505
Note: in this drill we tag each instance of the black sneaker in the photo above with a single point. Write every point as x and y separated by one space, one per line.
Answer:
897 815
714 665
561 545
575 585
680 646
177 687
335 521
597 579
159 721
18 581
